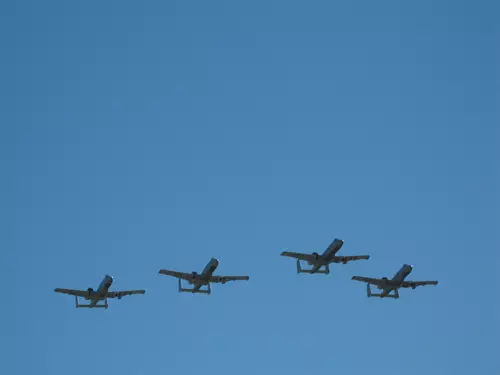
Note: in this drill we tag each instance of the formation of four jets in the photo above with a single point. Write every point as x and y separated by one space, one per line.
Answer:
320 264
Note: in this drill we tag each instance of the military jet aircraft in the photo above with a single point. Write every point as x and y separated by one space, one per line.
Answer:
205 278
101 294
317 261
389 285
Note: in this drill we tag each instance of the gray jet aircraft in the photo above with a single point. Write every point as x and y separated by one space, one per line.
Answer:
101 294
389 285
205 278
317 261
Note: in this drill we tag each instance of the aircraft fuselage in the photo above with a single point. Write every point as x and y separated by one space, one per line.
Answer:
101 292
327 256
396 281
204 278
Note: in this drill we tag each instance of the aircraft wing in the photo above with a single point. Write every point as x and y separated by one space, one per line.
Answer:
73 292
179 275
414 284
368 280
225 279
124 293
301 256
346 259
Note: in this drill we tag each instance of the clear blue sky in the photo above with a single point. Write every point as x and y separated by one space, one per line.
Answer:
144 135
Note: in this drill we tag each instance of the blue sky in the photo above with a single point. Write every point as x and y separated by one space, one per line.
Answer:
139 136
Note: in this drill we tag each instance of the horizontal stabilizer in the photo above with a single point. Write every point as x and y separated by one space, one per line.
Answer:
188 290
324 271
95 306
369 293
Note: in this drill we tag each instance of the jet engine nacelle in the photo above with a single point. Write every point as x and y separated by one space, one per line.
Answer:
384 280
316 258
90 291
